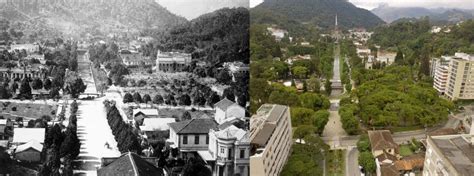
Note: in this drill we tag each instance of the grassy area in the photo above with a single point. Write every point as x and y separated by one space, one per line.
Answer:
407 128
335 163
28 110
405 150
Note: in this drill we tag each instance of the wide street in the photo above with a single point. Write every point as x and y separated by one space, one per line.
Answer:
93 130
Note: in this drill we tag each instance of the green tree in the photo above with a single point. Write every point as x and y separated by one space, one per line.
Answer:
137 98
327 87
300 71
314 84
367 161
363 145
304 130
399 57
25 89
127 98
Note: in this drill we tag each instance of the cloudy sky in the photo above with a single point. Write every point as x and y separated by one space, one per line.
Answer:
191 9
370 4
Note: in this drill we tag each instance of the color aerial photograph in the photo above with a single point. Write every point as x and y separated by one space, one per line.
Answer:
361 87
124 88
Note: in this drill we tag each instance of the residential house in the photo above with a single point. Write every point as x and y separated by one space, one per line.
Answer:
385 151
156 129
140 114
29 48
226 109
229 149
129 164
29 152
192 135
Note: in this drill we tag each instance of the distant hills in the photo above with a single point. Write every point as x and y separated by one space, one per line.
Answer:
75 18
438 15
216 37
320 13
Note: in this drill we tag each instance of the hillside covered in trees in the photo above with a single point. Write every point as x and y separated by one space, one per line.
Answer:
315 12
217 37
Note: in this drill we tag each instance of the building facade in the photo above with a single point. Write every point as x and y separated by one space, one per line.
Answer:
172 61
460 80
271 139
439 72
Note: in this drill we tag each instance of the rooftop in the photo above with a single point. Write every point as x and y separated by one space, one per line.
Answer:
458 150
224 104
34 144
24 135
194 126
147 112
381 139
130 164
156 124
264 123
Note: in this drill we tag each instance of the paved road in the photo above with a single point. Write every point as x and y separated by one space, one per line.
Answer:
352 163
94 132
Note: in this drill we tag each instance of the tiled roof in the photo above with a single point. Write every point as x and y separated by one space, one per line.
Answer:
194 126
224 104
389 170
381 139
410 163
130 164
34 144
386 156
147 112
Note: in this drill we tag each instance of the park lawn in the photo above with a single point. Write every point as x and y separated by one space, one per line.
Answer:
28 110
405 150
335 163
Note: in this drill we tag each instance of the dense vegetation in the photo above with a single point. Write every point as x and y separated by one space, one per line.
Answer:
217 37
125 135
394 97
58 144
305 159
317 12
414 36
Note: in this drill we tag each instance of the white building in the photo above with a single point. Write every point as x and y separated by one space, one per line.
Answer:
172 61
24 135
271 138
191 135
277 33
226 109
451 155
229 149
29 48
439 72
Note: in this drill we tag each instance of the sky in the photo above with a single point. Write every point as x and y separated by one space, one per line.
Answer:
191 9
370 4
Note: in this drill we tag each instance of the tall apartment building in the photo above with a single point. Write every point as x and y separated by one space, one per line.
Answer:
271 139
439 72
460 83
451 155
454 76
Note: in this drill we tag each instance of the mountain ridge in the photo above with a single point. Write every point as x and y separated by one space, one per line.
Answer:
446 15
318 12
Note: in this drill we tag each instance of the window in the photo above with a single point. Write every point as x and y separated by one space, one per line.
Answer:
222 150
196 139
242 153
207 139
229 155
185 139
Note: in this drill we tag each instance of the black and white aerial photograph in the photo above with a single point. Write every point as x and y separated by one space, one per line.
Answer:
124 87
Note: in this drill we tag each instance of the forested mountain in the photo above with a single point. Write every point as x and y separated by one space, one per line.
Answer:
316 12
440 15
77 18
217 37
